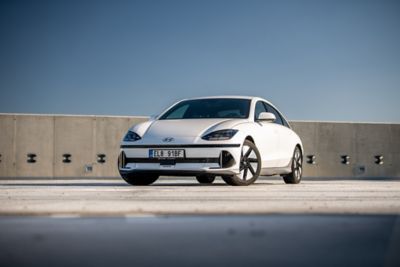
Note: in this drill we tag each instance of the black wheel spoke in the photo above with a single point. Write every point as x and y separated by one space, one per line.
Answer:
241 167
245 173
248 152
251 169
252 160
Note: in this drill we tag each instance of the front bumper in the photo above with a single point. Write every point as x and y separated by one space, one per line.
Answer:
218 159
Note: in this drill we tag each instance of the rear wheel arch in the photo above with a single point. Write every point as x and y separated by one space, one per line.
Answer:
296 167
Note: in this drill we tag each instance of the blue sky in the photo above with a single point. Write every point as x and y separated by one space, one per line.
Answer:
315 60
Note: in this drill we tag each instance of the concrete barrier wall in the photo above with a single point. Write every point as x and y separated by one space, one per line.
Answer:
329 142
51 137
93 145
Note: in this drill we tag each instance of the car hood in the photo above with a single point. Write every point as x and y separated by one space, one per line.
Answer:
187 127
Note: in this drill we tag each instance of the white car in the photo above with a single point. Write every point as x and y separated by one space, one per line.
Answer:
238 138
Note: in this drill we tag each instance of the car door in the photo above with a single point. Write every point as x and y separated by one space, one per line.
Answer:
285 146
267 138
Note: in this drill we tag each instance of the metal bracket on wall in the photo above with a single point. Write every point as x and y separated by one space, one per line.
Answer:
379 159
31 158
101 158
345 159
311 159
66 158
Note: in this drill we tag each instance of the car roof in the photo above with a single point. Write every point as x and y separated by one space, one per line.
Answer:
231 96
222 96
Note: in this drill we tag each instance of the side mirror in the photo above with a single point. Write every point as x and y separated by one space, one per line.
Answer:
266 116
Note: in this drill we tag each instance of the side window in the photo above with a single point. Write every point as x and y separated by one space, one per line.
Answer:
259 108
276 113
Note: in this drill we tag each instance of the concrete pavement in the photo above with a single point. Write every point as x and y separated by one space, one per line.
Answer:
178 222
186 196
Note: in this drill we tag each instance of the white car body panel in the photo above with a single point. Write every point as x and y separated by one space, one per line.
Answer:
275 143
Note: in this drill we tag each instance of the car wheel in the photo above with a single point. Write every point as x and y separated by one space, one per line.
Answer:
250 166
205 178
139 179
297 168
135 179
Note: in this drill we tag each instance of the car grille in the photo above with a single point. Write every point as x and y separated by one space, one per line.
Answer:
177 160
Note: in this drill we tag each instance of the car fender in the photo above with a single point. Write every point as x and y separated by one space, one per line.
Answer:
141 127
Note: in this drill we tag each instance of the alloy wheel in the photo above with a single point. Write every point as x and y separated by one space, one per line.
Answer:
248 163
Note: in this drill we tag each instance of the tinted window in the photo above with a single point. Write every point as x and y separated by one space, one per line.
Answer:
275 112
209 109
259 108
178 112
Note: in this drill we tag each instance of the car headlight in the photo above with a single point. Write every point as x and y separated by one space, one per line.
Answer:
220 135
131 137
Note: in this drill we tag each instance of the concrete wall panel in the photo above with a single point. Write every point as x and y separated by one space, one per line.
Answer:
7 146
308 135
74 135
109 133
34 135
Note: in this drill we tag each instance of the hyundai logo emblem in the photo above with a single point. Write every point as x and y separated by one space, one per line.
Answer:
168 139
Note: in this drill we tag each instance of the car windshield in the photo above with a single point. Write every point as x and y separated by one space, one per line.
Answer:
213 108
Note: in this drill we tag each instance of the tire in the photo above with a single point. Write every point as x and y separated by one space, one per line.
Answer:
135 179
297 168
139 179
250 162
205 178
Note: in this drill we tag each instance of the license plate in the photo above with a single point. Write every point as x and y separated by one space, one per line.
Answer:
166 153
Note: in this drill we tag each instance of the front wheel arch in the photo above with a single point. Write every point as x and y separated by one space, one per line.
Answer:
249 138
